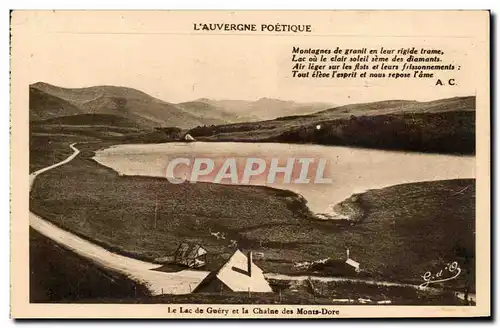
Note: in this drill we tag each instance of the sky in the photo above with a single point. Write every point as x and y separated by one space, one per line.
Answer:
162 56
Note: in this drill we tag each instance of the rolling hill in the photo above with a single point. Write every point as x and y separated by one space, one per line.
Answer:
402 231
44 106
48 101
401 107
443 126
89 119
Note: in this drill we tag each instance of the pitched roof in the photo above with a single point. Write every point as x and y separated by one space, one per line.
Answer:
234 274
190 251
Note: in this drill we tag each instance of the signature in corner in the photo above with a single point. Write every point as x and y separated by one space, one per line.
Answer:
441 276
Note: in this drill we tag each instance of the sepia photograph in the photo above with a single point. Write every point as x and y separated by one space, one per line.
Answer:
203 160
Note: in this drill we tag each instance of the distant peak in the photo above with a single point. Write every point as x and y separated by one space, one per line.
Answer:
266 99
41 84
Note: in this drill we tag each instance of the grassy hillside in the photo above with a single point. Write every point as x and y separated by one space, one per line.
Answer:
49 101
89 119
50 139
335 294
443 126
211 113
59 275
402 106
265 108
47 149
448 132
43 105
84 131
405 230
128 103
396 233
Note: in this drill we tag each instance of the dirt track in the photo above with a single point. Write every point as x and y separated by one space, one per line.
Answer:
182 282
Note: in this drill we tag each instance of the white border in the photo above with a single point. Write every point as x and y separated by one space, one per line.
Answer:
158 4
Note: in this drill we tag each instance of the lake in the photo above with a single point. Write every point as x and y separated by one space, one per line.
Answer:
351 170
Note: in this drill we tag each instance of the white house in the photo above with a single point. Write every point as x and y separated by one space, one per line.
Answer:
238 274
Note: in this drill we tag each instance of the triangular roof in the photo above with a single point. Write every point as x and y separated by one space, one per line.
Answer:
234 274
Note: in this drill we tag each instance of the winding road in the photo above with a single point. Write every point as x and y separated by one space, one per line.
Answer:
157 282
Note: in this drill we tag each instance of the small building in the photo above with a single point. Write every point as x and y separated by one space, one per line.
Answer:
191 255
238 274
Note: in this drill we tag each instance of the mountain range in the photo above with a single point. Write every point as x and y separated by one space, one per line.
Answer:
48 102
439 126
129 115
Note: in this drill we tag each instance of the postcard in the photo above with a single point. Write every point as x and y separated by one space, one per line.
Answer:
250 164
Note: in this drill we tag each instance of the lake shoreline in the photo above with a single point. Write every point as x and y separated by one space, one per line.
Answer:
352 171
275 226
